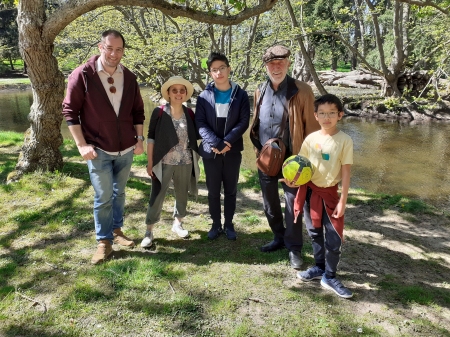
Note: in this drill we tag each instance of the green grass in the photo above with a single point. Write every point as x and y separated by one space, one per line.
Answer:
14 81
9 138
405 292
193 287
402 204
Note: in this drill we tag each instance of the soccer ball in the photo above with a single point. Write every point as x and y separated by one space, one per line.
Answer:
297 170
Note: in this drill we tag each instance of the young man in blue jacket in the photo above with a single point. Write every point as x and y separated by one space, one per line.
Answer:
222 116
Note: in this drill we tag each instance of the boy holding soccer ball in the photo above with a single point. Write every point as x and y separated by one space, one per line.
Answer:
331 154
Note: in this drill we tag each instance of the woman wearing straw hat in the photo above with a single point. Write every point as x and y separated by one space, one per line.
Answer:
172 154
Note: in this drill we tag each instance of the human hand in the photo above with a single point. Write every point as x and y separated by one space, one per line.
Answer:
150 170
225 149
87 152
289 183
139 147
339 210
215 150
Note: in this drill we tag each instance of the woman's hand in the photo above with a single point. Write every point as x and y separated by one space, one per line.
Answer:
150 170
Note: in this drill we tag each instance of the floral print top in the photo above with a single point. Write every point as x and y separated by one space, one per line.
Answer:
180 154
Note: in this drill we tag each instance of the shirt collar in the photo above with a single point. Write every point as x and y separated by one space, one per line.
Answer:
282 85
99 67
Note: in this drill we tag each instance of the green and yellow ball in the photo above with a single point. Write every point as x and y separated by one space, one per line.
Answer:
297 170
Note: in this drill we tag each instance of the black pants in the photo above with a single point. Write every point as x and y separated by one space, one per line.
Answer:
292 233
222 169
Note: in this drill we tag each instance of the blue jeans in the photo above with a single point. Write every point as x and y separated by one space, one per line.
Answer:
109 175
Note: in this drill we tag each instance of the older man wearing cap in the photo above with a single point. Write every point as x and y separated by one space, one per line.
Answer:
283 108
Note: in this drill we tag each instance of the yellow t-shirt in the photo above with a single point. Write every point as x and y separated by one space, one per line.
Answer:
327 155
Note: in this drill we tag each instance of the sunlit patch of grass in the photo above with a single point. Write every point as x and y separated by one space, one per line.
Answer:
420 294
5 81
386 201
10 138
249 219
249 179
140 160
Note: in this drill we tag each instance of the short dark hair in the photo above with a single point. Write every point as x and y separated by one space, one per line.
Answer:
216 56
330 99
114 33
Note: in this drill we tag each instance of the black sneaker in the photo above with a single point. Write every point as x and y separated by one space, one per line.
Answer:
214 232
231 234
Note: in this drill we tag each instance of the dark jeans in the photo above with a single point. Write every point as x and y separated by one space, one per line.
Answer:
326 246
291 234
222 169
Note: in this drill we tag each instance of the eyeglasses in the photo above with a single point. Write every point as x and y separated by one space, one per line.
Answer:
332 114
221 69
112 89
176 91
110 50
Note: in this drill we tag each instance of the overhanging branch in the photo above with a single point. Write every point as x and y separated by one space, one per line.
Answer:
72 9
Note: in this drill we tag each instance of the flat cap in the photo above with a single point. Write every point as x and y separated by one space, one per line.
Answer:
277 52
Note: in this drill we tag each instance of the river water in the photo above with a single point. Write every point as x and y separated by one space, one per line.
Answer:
389 157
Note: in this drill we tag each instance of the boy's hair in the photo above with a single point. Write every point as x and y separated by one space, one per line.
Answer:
330 99
114 33
216 56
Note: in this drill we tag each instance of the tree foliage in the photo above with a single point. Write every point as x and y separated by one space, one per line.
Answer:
9 36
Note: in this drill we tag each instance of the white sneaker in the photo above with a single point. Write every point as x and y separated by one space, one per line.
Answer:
178 228
148 240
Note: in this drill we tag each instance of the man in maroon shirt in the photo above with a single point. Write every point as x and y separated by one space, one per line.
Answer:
104 110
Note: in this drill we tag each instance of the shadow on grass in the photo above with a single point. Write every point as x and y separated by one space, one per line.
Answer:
397 280
25 330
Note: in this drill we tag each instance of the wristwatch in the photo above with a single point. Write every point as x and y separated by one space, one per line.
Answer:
140 137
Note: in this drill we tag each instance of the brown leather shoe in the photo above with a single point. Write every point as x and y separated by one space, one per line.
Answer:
121 239
104 249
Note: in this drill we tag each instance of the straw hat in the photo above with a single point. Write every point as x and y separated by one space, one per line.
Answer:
176 80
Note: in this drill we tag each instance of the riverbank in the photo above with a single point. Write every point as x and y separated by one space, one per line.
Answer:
359 103
395 259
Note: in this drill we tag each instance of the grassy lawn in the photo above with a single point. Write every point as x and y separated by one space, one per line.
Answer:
14 81
197 287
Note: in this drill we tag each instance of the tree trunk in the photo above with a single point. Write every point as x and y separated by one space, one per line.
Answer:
40 150
308 61
11 64
299 69
37 32
390 87
334 62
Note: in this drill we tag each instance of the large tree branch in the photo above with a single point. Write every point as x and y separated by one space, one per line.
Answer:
376 27
398 57
427 3
72 9
305 53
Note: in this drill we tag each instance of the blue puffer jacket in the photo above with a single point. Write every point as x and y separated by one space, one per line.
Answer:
236 123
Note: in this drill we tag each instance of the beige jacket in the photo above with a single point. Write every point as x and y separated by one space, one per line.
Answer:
301 115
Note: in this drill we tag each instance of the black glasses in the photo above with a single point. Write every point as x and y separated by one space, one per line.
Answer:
112 89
